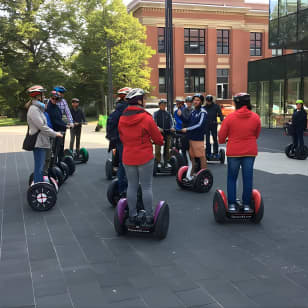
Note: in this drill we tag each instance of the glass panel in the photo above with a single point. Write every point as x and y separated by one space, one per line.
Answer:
273 9
252 90
291 6
219 91
306 91
162 80
302 28
263 103
282 8
273 33
293 90
303 4
278 104
225 91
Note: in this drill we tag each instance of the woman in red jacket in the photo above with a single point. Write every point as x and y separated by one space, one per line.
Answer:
138 132
242 128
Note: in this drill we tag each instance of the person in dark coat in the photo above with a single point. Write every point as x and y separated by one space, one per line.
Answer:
299 124
213 111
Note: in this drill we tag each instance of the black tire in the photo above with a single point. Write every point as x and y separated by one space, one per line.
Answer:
179 182
42 196
65 169
56 173
113 195
108 169
302 153
162 223
174 164
31 177
84 154
71 164
219 209
119 228
222 156
179 157
204 181
155 168
288 150
257 217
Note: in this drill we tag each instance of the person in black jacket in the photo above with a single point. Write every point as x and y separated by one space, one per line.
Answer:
79 119
163 120
299 124
58 124
213 111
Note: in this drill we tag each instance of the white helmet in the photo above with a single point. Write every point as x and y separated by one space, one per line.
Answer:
134 93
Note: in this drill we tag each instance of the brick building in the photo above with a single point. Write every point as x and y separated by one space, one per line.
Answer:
213 42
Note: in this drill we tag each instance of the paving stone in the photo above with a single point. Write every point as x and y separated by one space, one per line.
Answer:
130 303
119 293
54 301
194 297
70 255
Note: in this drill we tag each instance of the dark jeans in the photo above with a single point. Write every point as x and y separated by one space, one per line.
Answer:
234 164
298 138
75 132
167 147
121 171
58 148
211 129
39 161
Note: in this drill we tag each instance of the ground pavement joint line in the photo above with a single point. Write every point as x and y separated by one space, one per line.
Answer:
24 226
279 163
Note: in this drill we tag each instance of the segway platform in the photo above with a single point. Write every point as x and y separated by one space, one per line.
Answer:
221 157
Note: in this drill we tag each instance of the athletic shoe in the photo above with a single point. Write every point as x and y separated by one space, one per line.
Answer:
232 207
247 208
167 165
216 156
159 165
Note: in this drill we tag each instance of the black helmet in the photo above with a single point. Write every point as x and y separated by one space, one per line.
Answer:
188 99
209 98
162 101
242 99
199 95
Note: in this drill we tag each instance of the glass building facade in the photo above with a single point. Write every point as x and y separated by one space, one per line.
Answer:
276 83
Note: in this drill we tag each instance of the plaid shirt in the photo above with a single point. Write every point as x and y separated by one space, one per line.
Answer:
62 104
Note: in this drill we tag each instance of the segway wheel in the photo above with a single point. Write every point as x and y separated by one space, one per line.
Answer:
258 206
181 175
174 164
113 195
84 154
71 164
203 181
302 153
219 208
42 196
108 169
288 150
222 156
65 169
57 174
31 177
161 220
68 152
180 159
119 217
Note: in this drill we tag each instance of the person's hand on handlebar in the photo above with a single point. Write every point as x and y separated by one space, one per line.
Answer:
161 130
172 129
183 130
58 134
71 125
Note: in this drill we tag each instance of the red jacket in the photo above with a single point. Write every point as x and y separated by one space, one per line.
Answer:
242 128
137 130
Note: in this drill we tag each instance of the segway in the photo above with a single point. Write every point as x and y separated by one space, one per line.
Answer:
111 165
81 158
159 227
300 154
42 196
221 157
222 213
202 182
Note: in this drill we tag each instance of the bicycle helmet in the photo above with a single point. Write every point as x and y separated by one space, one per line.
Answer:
124 91
60 89
135 95
55 94
242 99
189 99
162 101
209 98
199 95
76 100
299 101
36 90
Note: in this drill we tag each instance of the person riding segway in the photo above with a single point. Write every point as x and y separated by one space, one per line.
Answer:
213 112
242 129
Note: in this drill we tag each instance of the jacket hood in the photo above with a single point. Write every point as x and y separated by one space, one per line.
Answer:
133 115
39 104
243 112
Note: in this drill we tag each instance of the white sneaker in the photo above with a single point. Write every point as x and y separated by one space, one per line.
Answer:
159 165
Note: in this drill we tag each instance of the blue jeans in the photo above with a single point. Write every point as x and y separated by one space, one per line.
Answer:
234 164
121 171
39 155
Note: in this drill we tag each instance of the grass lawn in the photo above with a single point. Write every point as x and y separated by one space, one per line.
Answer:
11 122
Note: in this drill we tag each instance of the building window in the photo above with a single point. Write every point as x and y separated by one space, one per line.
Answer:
194 41
161 40
223 42
276 52
162 80
194 80
222 84
255 44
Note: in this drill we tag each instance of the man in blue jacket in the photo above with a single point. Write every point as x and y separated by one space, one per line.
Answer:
195 133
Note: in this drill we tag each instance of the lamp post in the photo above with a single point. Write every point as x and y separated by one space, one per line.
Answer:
169 53
109 44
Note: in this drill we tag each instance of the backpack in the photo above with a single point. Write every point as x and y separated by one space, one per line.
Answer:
112 133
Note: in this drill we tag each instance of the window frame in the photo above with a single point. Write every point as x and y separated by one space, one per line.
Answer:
221 82
253 44
222 38
188 41
193 74
162 88
159 48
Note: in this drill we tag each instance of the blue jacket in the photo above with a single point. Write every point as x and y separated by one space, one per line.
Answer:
49 124
196 125
178 120
55 115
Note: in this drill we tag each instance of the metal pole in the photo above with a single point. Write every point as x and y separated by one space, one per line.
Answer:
110 92
169 53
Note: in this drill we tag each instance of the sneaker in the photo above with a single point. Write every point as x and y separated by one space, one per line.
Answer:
159 165
167 165
232 207
247 208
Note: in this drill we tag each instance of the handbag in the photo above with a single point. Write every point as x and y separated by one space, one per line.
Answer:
30 140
